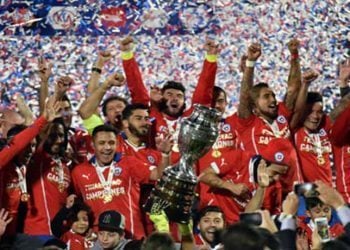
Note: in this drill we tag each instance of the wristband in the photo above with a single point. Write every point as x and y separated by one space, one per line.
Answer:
294 56
211 58
97 70
127 55
250 64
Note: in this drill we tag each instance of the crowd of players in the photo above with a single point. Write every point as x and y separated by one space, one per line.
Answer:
84 189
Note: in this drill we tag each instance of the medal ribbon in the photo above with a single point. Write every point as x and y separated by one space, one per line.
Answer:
22 182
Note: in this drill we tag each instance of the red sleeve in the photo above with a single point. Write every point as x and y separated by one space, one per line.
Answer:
139 170
138 91
20 141
241 124
283 110
340 133
225 166
75 180
203 93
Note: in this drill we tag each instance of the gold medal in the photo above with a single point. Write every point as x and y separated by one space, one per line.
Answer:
25 197
107 198
61 187
216 153
321 160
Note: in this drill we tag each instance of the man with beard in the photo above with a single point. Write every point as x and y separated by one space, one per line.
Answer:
132 141
48 180
171 109
263 119
107 181
211 222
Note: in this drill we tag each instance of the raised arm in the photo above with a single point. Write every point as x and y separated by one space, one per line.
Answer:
90 105
344 77
254 52
300 104
138 90
294 78
24 110
22 139
44 75
202 93
103 57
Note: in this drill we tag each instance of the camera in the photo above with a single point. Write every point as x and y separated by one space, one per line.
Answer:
251 218
306 190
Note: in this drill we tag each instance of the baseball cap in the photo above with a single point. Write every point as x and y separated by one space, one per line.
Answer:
111 221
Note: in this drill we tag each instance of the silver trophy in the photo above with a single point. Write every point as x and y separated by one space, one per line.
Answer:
174 193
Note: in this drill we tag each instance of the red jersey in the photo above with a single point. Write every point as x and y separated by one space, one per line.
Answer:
10 191
127 171
48 182
76 241
163 124
232 166
314 151
21 141
256 134
226 141
340 138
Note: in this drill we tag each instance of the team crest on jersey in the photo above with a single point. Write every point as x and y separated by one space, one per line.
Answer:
322 132
279 157
226 128
281 119
151 159
117 171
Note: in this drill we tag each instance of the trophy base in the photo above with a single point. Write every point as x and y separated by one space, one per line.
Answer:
174 194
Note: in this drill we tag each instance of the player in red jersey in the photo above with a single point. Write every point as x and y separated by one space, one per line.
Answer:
105 182
79 142
340 135
263 119
21 146
171 108
48 180
232 181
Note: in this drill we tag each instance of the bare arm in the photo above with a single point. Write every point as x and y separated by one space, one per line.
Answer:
263 182
44 74
344 77
210 178
90 105
24 110
254 52
300 104
93 84
294 78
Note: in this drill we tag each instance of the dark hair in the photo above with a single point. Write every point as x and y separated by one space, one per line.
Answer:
104 128
208 209
312 202
255 92
173 85
15 130
65 98
242 236
52 136
313 97
129 109
270 240
112 98
216 92
159 241
335 244
78 206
